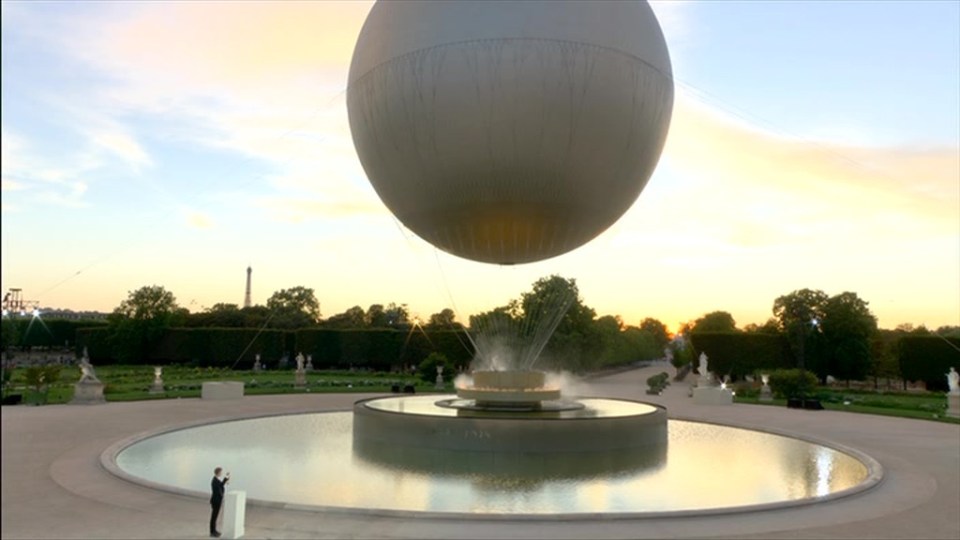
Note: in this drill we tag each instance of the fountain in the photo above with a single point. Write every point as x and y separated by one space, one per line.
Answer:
507 390
508 411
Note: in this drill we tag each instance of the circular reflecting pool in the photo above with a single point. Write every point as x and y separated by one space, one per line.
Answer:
308 459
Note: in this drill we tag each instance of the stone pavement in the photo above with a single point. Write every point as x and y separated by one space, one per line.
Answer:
53 485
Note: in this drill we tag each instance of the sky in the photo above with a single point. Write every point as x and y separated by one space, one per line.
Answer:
812 145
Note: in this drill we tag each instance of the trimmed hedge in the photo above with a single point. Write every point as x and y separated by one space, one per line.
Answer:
928 359
374 349
40 332
739 354
97 341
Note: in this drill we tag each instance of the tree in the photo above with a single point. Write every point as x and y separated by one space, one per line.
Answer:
948 331
884 362
552 296
848 327
444 320
138 322
657 330
608 329
553 310
296 307
397 316
376 317
351 318
715 321
799 314
772 326
219 316
551 318
147 304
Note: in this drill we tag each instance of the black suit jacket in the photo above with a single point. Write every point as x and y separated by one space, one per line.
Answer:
217 488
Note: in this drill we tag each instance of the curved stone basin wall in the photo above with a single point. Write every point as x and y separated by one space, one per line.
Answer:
602 425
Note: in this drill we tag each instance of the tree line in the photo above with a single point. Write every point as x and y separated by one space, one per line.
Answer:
829 335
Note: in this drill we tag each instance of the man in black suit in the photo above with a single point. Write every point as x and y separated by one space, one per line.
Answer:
216 498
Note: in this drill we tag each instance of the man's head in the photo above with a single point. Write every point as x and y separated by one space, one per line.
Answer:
218 471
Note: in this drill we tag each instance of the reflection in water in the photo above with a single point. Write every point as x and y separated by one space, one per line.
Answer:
309 459
513 468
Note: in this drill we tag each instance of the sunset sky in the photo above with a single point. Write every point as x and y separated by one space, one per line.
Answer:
813 145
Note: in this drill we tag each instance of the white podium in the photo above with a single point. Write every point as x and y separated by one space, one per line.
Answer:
234 513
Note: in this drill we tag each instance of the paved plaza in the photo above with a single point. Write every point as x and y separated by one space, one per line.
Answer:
53 485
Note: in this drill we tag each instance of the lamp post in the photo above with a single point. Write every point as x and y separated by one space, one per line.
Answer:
801 346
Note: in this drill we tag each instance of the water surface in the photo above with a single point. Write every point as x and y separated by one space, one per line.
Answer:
308 459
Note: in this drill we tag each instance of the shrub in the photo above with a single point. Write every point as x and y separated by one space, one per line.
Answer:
792 383
658 382
428 368
746 389
39 377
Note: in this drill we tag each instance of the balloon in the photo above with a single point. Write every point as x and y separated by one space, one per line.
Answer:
509 132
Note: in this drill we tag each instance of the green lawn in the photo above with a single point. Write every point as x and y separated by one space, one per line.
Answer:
129 383
926 406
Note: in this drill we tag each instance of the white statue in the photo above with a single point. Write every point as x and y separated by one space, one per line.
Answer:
706 378
87 373
157 373
300 362
952 381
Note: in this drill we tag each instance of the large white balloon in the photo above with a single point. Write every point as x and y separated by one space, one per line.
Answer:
509 132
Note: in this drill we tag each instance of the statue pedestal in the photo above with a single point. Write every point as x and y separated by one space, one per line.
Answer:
88 393
765 393
712 395
299 379
953 405
156 387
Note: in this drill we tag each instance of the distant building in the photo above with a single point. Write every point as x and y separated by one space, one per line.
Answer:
56 313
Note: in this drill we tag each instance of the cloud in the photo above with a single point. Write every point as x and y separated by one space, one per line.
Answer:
194 58
30 178
755 187
265 80
210 44
119 143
